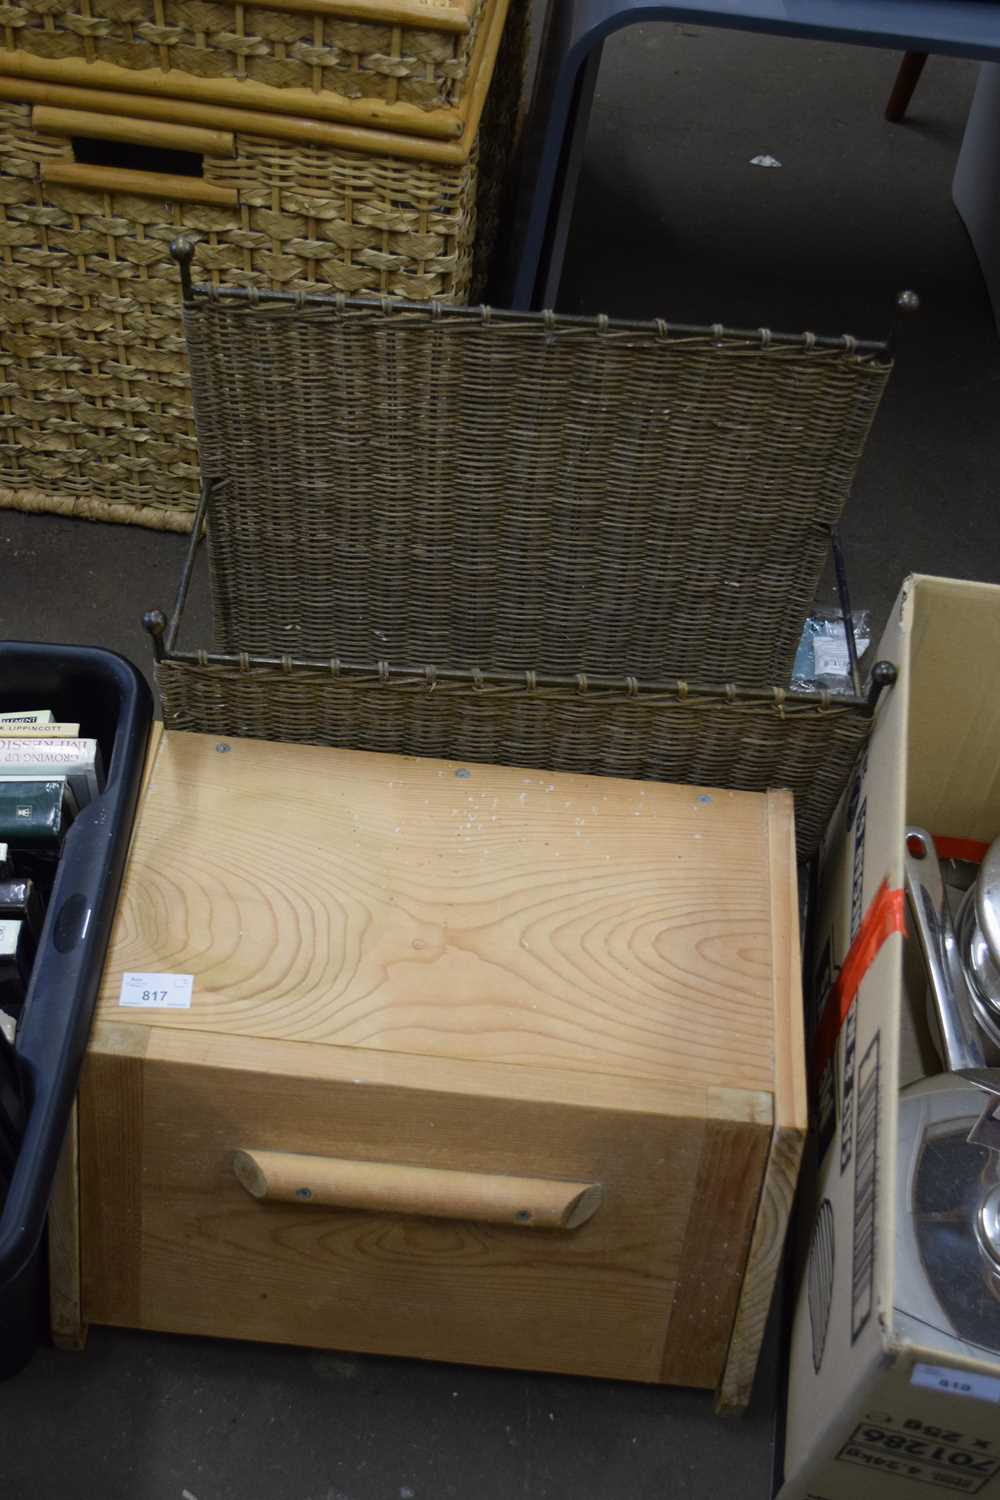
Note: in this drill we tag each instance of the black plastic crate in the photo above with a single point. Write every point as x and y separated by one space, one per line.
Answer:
38 1077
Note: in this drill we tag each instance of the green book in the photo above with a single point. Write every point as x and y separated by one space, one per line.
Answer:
34 814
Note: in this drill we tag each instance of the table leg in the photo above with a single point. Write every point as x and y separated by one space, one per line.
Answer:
907 79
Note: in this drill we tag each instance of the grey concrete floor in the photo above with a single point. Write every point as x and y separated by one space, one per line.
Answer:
672 220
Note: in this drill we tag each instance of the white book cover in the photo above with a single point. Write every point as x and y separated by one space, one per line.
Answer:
33 760
29 716
39 731
10 932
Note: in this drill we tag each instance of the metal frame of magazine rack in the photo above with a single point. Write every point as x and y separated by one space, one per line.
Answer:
164 630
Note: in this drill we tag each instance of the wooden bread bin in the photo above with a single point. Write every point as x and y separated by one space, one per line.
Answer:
480 1064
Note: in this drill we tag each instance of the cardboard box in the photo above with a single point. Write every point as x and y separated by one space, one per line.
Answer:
882 1402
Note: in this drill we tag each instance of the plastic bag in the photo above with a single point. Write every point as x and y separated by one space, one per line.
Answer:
822 661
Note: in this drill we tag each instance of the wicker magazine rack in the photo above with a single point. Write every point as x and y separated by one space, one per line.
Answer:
718 735
473 487
354 520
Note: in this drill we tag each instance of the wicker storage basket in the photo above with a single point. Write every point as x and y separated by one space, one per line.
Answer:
672 732
96 412
408 65
472 488
746 739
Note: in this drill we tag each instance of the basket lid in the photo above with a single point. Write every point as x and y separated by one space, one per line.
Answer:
476 26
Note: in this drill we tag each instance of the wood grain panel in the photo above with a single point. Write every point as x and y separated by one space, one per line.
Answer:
791 1110
715 1250
65 1311
763 1264
790 1123
420 906
110 1104
258 1059
212 1260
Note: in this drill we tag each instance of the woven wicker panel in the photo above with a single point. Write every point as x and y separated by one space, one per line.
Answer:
95 407
356 58
419 486
314 218
667 736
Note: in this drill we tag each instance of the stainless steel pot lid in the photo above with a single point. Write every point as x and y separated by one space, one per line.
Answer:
947 1276
978 938
948 1175
988 901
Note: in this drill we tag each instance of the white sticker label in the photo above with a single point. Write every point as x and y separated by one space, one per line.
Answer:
957 1382
830 654
157 991
831 657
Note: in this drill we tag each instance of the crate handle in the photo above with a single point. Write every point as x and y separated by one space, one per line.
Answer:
433 1192
48 120
142 184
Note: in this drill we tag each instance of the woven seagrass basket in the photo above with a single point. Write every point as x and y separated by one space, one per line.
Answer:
402 60
96 417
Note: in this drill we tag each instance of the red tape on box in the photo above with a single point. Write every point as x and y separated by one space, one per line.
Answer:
885 915
968 849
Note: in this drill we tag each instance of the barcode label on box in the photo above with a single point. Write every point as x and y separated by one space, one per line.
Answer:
924 1460
865 1181
957 1382
157 991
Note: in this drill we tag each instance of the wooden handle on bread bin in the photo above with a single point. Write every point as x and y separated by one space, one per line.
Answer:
391 1187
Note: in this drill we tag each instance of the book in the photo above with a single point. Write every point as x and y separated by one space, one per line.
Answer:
71 803
29 716
15 966
34 813
39 731
11 933
20 902
78 760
